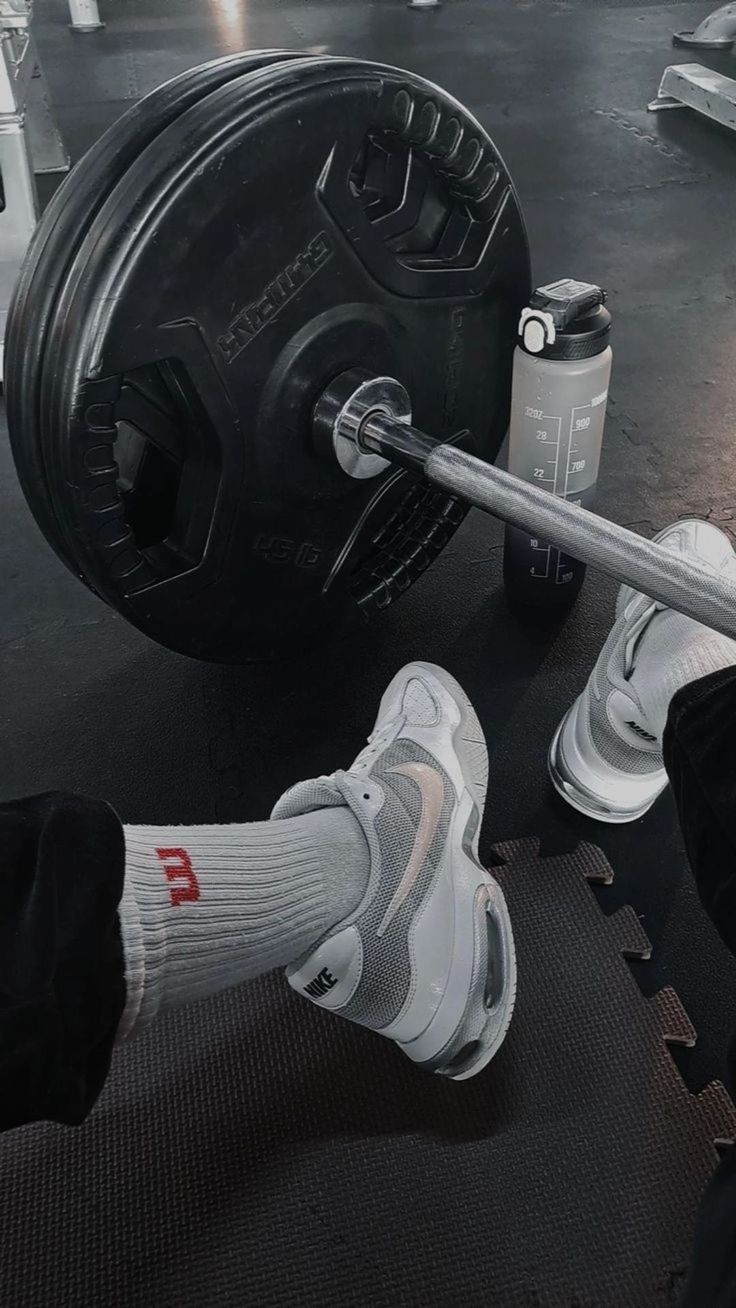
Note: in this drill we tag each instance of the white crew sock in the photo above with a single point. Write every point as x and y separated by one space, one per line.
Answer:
206 907
675 651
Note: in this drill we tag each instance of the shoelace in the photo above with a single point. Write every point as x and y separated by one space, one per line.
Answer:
621 678
635 635
376 741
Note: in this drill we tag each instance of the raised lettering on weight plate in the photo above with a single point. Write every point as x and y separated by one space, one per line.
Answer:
285 286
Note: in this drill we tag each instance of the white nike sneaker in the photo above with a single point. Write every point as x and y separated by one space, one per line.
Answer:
427 958
606 756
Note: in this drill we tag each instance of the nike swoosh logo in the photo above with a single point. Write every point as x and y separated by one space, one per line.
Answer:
432 790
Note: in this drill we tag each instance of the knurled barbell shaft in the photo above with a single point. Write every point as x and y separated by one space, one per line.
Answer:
680 583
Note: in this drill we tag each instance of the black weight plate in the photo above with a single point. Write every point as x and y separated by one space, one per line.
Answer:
58 236
342 214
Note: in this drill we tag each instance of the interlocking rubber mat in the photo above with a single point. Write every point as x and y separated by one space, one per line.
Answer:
253 1150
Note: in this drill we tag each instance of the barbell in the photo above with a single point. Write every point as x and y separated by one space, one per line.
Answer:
368 419
258 361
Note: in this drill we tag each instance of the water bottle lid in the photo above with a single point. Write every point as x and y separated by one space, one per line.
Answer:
566 320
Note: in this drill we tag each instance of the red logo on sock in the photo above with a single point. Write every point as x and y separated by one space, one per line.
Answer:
178 867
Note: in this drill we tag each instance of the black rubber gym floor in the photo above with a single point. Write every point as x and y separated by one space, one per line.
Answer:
244 1154
641 205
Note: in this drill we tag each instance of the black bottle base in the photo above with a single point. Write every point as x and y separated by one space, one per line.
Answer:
531 593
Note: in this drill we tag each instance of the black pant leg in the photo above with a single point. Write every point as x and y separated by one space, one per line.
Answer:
62 987
700 754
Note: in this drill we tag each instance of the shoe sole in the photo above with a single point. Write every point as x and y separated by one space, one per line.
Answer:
470 747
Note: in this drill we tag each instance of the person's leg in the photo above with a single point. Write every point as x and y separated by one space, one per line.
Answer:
62 988
366 883
661 705
700 756
206 907
101 927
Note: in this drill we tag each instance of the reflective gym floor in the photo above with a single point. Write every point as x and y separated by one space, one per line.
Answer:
641 205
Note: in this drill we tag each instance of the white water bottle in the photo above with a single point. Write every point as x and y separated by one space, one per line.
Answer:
562 370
